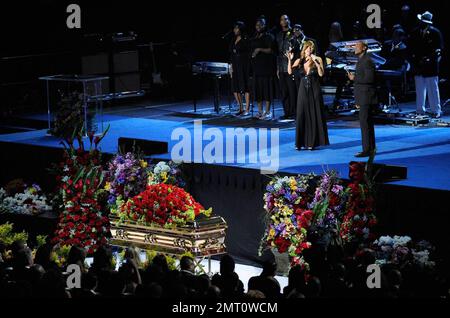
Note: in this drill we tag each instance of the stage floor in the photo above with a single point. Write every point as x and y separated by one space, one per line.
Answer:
424 150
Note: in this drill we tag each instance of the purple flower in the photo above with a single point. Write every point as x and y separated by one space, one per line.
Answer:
279 228
111 199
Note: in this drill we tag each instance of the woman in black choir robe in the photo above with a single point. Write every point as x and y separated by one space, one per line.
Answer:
263 68
311 129
240 67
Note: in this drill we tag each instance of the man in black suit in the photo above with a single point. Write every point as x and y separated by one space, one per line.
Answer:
365 97
286 80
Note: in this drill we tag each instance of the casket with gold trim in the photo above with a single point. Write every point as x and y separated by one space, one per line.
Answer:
202 237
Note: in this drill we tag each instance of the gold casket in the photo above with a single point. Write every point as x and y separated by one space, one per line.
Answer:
203 237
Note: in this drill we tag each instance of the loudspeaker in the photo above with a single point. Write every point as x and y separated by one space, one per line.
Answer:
125 62
384 172
95 64
147 147
127 82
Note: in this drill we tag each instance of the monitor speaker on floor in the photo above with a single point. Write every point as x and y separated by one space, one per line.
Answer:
385 173
147 147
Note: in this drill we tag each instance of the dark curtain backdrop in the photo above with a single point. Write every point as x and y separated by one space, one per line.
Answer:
37 26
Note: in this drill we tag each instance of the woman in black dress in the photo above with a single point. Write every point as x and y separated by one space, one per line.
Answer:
240 67
311 129
263 67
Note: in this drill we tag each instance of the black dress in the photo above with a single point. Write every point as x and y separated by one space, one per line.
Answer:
311 121
240 61
263 68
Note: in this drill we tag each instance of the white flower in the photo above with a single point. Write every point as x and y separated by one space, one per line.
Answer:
385 240
401 240
16 203
161 167
380 262
2 194
422 258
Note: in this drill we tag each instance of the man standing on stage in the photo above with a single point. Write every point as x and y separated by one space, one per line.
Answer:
365 97
426 49
287 82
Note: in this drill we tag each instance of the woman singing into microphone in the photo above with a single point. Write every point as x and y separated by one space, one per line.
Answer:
240 67
311 129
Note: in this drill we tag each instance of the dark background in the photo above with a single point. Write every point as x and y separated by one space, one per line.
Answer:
197 27
39 26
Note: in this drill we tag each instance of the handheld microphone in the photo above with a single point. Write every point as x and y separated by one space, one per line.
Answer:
227 34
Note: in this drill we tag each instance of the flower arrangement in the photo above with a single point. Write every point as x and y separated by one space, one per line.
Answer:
31 201
150 255
166 172
359 218
83 220
288 216
328 206
302 211
162 205
61 254
2 194
172 260
41 240
403 251
8 236
126 177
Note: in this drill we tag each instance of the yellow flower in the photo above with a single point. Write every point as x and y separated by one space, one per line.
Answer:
143 163
164 176
107 186
271 233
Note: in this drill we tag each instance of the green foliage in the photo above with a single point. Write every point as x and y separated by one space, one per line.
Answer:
171 260
7 236
61 254
320 210
41 240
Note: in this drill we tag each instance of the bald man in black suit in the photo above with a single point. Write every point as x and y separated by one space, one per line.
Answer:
365 97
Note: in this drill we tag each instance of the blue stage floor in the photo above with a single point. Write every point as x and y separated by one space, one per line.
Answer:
424 150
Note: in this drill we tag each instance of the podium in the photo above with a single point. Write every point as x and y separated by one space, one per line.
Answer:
74 101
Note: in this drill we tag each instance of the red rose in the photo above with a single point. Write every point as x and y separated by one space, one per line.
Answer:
282 244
